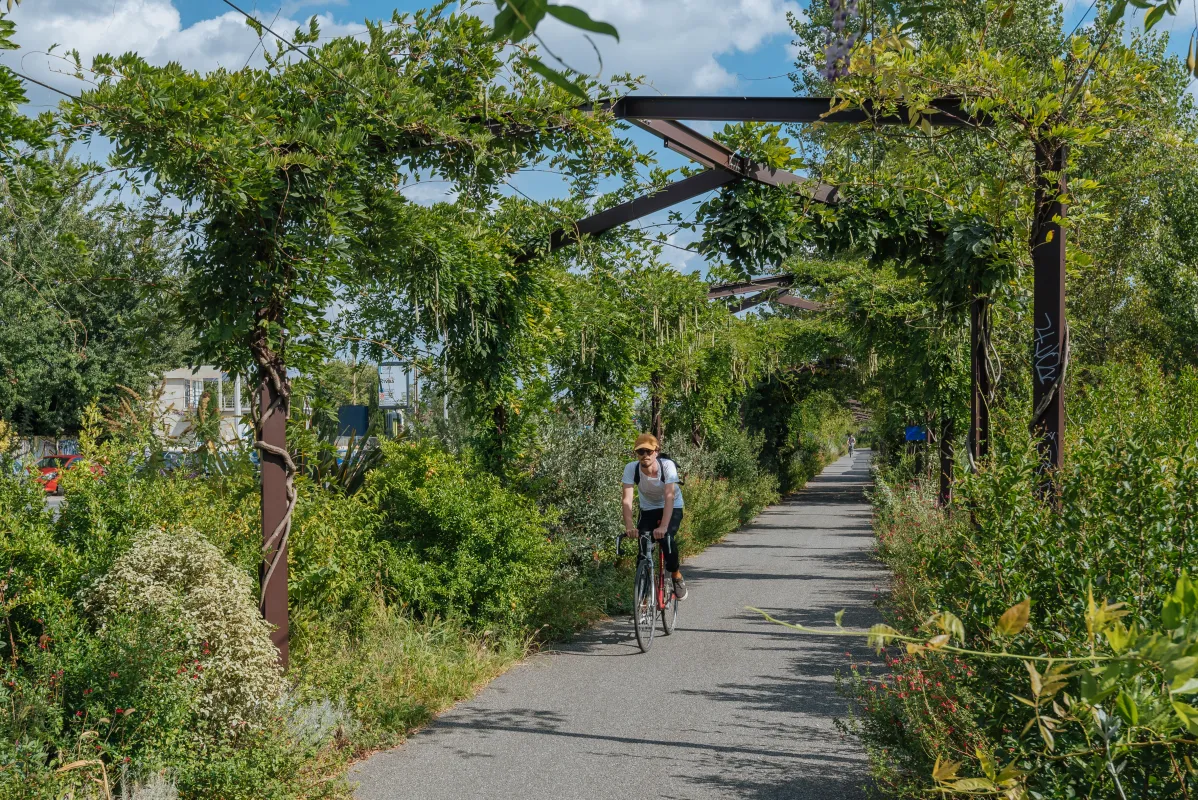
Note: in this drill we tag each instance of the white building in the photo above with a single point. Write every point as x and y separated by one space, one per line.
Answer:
180 399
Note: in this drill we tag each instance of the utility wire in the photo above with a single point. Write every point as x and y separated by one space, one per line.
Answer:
1082 19
293 46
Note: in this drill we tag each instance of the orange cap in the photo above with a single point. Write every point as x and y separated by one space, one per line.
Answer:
646 440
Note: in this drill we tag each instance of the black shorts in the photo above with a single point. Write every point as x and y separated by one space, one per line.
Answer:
650 519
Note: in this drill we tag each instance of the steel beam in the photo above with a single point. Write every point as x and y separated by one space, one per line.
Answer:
750 302
1050 341
710 153
798 302
948 111
979 399
754 285
273 601
607 219
692 144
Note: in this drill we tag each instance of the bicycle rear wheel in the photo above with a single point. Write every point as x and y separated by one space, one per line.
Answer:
669 614
644 609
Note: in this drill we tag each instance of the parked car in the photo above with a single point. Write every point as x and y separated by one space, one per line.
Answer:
51 468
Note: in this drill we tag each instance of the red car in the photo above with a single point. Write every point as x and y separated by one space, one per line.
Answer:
50 467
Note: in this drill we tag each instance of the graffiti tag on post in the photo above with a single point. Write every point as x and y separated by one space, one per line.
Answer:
1047 358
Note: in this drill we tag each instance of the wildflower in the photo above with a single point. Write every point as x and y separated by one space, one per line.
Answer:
79 713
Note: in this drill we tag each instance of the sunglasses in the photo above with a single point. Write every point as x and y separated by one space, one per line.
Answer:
643 451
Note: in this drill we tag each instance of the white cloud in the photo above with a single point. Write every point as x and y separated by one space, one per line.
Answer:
429 192
675 44
152 28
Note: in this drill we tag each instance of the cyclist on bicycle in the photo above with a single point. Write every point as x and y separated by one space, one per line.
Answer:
660 501
852 444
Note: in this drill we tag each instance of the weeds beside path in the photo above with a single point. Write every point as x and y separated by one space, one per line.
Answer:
730 706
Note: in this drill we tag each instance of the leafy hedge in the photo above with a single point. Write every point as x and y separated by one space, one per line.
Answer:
1090 581
460 544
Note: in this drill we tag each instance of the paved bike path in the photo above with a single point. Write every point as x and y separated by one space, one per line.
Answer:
730 706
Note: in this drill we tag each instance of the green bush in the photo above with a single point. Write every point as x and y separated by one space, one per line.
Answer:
1124 533
577 473
712 511
182 578
120 679
334 555
737 459
461 545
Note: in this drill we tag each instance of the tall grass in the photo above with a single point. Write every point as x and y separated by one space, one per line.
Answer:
396 673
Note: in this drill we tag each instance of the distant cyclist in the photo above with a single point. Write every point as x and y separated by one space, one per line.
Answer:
852 444
656 481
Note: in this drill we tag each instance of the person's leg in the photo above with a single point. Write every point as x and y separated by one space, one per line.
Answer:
674 553
648 521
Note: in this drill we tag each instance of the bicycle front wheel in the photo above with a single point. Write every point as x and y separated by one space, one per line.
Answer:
644 609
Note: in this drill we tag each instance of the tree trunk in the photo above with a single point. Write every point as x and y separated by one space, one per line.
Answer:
656 400
500 420
697 434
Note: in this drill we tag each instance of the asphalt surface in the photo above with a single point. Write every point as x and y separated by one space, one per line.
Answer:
730 706
54 503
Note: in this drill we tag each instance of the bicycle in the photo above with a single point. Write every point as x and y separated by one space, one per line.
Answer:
649 594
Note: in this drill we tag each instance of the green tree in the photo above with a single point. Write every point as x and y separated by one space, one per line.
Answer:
88 292
290 174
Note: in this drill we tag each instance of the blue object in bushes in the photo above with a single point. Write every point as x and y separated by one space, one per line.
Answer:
917 433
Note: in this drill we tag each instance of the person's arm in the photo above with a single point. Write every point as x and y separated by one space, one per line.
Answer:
629 528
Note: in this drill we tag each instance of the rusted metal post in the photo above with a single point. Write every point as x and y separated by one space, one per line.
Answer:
947 430
1050 337
979 398
273 604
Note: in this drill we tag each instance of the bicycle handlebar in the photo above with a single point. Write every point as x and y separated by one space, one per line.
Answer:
648 534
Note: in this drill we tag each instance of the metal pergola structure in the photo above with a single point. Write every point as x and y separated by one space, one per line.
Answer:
762 290
660 115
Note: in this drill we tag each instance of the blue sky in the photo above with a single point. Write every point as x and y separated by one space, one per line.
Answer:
731 47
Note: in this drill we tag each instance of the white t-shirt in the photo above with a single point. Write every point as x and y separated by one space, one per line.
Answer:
652 491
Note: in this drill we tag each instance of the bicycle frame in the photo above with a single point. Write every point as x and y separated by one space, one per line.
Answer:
645 549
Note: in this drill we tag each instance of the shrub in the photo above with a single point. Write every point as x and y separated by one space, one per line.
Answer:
333 556
577 473
461 544
183 578
1123 535
712 511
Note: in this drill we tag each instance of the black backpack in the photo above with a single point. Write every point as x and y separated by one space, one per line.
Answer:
636 474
